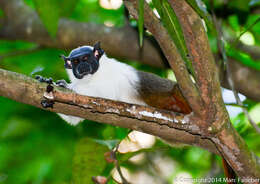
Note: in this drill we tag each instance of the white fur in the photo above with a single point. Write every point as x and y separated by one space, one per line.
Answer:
113 80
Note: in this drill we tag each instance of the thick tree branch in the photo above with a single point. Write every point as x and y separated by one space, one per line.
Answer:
227 140
202 58
153 24
170 126
212 120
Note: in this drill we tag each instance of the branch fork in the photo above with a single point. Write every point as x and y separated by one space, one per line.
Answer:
204 97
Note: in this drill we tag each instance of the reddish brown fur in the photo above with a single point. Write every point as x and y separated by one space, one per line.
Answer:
172 100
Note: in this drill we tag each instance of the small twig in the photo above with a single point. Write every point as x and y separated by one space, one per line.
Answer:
121 174
247 29
118 166
235 105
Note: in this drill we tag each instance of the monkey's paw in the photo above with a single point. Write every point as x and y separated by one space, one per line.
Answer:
43 79
61 83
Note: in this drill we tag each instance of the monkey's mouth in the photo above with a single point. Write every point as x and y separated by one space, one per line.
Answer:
82 69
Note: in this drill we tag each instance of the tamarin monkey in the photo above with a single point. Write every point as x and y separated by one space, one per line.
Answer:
92 73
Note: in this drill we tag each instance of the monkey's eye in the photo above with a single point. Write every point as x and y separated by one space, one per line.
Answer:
76 61
85 58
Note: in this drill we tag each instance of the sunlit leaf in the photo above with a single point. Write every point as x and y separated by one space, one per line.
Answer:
245 31
254 113
141 21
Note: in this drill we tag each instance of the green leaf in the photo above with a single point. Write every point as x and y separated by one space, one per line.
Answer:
254 114
240 123
51 10
254 3
201 10
141 21
88 161
172 24
243 58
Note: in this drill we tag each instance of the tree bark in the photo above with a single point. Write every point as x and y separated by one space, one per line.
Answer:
212 121
170 126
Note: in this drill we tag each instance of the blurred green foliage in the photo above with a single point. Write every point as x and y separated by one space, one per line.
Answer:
37 147
87 166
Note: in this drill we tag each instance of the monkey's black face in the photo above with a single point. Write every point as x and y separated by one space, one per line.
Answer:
83 60
84 65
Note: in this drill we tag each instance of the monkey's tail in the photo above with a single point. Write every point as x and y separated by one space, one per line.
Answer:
229 173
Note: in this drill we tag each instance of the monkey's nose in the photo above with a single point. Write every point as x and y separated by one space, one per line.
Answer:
84 68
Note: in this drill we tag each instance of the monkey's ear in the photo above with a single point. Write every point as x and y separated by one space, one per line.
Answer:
63 57
67 61
98 52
